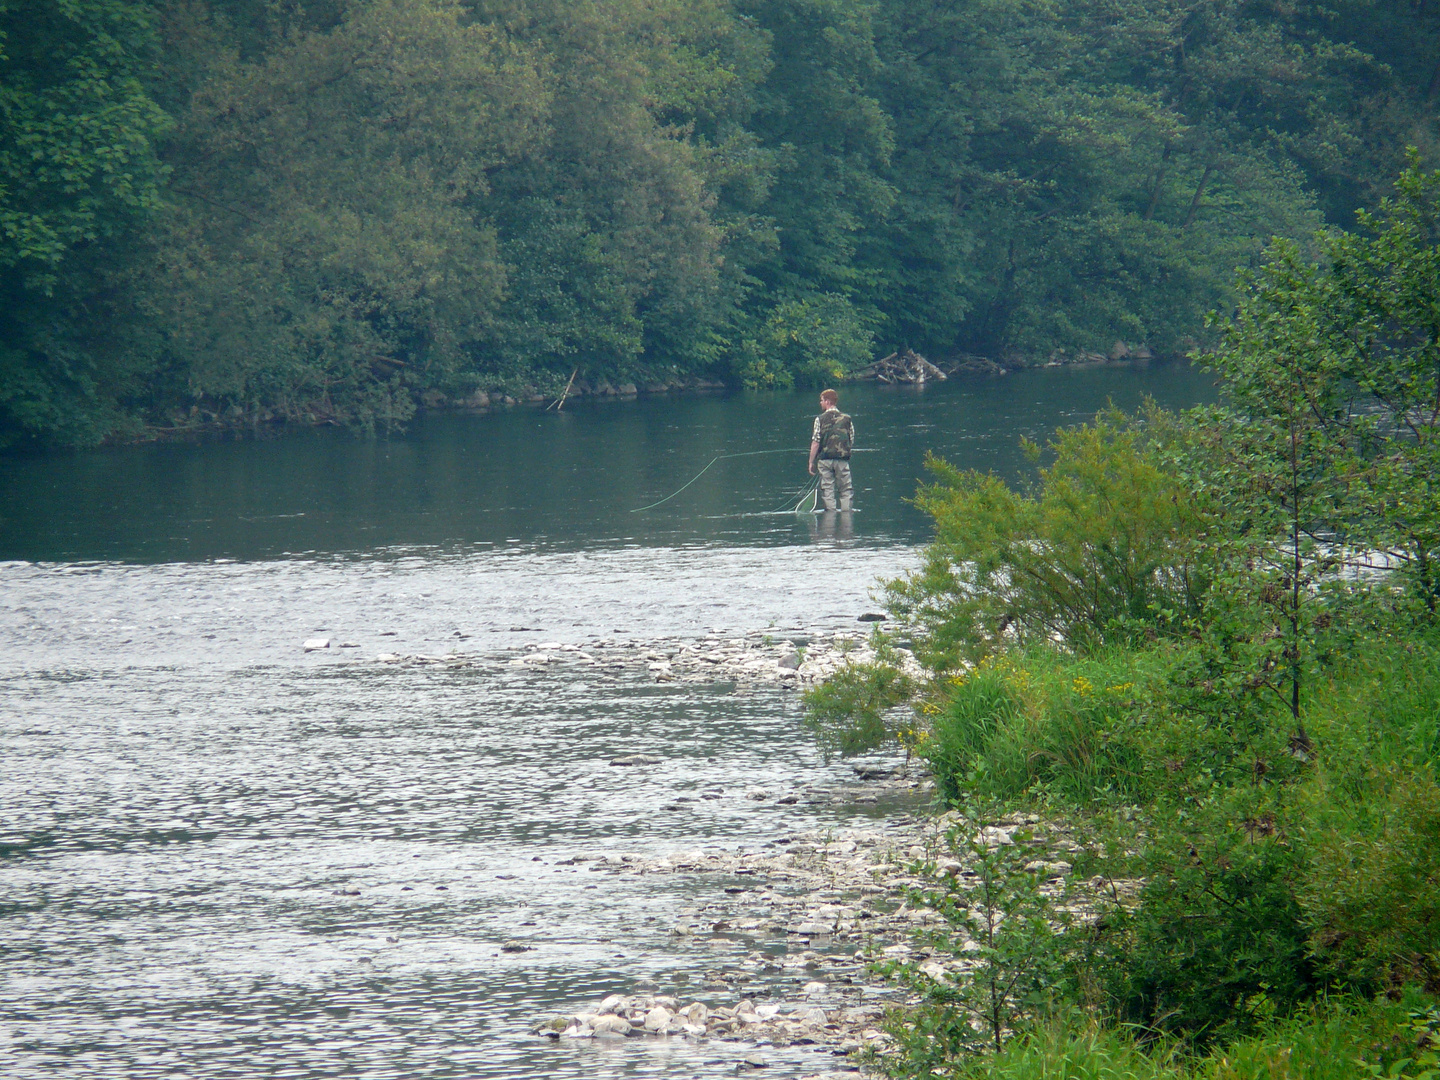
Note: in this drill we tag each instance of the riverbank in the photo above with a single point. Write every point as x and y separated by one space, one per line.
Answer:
205 420
816 910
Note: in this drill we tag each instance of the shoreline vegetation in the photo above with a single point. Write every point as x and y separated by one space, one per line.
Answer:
203 423
218 211
1209 643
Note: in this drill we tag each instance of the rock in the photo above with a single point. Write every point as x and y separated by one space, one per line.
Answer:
757 794
788 800
516 946
696 1012
810 928
789 662
628 389
611 1003
478 400
636 759
615 1025
810 1017
754 1061
872 616
658 1018
816 987
874 772
317 643
1119 351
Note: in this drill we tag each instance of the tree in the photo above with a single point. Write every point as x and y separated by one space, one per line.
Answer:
78 174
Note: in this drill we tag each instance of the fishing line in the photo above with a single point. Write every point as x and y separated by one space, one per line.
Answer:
702 472
725 457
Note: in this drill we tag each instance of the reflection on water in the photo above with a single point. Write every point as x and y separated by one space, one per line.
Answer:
222 856
559 481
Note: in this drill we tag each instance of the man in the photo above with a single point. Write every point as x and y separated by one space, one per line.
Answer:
830 443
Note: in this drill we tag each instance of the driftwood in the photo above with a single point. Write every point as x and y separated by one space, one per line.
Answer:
559 403
901 367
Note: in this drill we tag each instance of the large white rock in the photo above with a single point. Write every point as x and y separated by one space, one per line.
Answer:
658 1018
317 643
616 1025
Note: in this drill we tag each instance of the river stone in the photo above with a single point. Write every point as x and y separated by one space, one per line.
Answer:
516 946
317 643
697 1012
873 772
809 928
636 759
611 1003
872 616
815 987
767 1011
790 661
611 1023
658 1018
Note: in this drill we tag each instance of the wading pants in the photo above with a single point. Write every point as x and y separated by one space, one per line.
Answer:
834 483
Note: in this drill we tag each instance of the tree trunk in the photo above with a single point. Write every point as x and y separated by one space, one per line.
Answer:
1159 184
1199 194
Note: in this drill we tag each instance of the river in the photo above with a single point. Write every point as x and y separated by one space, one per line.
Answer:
224 856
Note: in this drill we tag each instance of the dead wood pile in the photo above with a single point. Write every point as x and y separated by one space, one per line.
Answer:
907 366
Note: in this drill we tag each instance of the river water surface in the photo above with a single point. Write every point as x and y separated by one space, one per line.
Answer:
224 856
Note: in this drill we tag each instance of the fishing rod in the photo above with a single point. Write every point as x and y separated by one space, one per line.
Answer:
725 457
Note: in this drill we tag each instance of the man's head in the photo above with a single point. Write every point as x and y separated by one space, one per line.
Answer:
829 399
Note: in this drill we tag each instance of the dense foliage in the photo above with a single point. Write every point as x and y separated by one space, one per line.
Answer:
231 211
1206 647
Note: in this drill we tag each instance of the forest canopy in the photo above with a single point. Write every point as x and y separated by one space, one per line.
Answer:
238 211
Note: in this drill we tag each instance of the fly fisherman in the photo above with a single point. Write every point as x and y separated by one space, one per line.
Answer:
830 443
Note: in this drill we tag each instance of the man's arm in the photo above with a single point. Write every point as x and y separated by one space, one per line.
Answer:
814 453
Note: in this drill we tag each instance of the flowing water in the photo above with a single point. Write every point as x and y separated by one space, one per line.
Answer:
223 856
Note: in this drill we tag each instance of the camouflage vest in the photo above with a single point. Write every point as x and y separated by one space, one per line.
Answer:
837 434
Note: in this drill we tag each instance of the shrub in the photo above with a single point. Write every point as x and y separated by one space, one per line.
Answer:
1043 723
1103 543
1217 944
1372 897
852 711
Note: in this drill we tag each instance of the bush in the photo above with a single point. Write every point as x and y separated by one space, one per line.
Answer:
1105 543
1037 724
1217 944
852 712
1372 897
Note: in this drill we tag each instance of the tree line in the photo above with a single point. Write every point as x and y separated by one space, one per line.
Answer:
241 211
